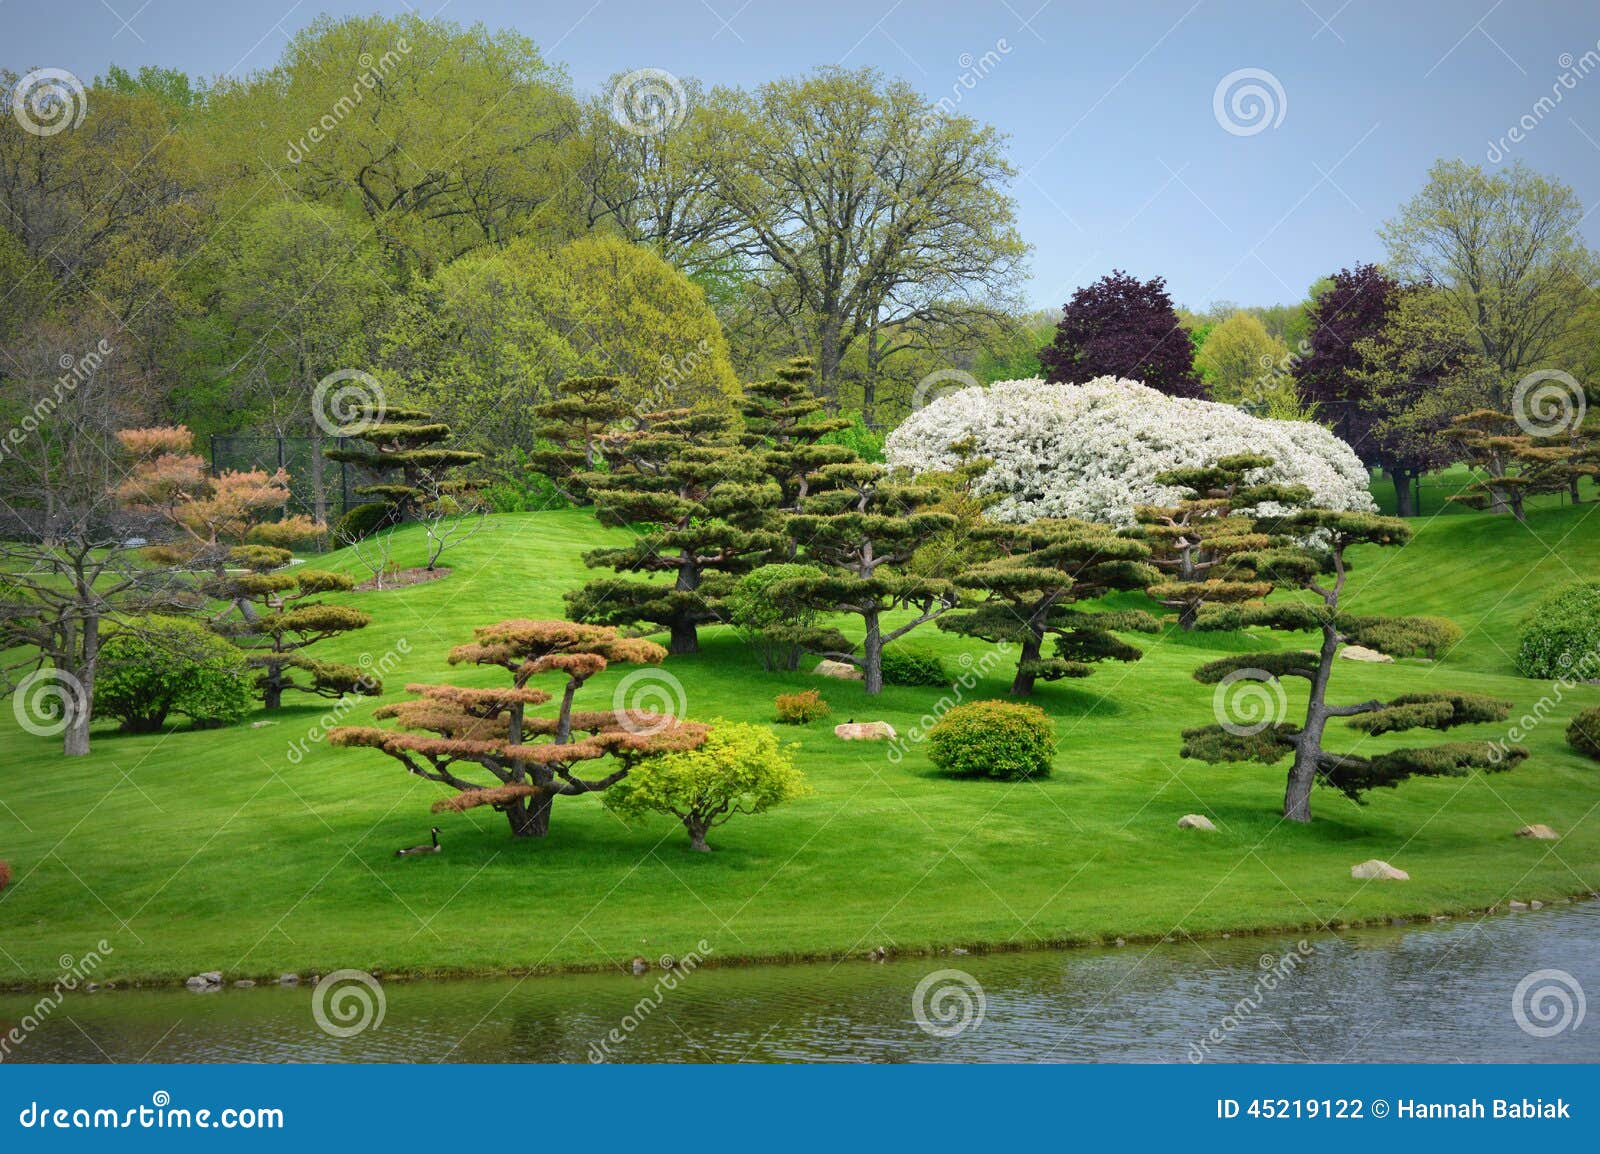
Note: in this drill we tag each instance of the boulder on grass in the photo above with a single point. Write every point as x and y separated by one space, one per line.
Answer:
1539 832
1362 653
841 669
1375 870
1196 821
864 731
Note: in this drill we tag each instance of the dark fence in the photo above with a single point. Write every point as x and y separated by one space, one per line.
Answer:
294 455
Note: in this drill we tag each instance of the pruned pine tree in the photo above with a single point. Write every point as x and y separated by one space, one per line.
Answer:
571 429
406 448
1205 544
699 506
285 619
861 528
781 426
1045 567
1268 741
1513 464
445 731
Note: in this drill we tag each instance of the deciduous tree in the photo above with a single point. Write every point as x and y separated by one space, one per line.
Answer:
1121 326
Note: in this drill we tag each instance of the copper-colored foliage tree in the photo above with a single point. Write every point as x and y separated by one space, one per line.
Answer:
207 515
446 731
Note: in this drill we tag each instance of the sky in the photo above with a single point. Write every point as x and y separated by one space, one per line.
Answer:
1129 147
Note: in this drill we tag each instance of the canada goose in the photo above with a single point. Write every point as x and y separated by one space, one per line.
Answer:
434 848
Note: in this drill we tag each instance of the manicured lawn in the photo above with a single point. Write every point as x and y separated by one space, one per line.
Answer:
217 850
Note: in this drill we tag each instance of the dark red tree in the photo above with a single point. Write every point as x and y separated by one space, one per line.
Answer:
1354 308
1121 326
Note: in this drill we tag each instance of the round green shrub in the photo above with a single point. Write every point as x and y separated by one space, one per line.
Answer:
361 521
154 667
1003 740
1561 636
911 667
1583 733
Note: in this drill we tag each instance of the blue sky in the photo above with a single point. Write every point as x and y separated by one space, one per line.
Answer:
1122 159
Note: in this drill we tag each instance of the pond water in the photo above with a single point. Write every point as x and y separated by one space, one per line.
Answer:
1508 988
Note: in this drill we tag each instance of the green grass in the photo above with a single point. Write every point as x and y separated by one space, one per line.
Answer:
216 850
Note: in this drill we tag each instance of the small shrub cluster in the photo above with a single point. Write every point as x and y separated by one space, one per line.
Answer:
770 625
1583 733
154 667
1003 740
1561 632
911 667
1430 637
361 521
5 874
800 708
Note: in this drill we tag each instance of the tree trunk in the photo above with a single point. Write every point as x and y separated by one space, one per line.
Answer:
1404 503
1022 685
697 835
1303 770
530 817
872 655
75 741
684 638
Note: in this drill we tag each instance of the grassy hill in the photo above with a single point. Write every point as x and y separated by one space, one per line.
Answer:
230 850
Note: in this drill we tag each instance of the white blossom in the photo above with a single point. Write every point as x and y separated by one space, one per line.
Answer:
1094 450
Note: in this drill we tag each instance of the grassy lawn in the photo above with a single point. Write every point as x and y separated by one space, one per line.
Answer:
192 851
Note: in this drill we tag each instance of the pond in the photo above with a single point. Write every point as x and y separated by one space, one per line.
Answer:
1508 988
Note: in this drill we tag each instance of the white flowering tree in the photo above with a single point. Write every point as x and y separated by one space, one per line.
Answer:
1094 451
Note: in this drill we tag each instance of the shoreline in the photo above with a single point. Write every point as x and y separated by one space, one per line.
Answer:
147 983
